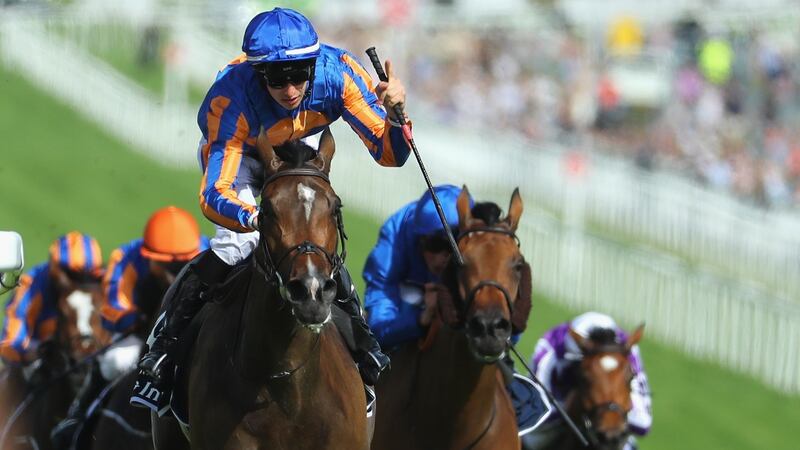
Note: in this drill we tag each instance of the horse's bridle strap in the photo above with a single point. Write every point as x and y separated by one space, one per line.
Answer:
299 172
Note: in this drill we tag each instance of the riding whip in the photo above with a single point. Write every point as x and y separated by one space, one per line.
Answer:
398 111
551 399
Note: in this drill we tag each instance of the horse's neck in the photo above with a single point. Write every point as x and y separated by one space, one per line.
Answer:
458 383
271 340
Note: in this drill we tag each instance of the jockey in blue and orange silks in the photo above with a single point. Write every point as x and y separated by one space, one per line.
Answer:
402 276
137 276
31 314
286 86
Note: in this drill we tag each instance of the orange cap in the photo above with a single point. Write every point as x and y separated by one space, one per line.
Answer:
171 234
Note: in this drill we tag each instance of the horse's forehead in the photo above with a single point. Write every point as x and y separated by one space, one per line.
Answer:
81 302
608 363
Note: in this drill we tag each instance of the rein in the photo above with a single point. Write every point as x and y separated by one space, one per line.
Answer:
265 263
33 394
485 430
264 258
487 283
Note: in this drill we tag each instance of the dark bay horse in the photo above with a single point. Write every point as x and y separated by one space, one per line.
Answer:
600 401
269 369
452 395
32 405
114 423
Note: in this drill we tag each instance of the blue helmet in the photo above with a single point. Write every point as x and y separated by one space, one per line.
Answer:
280 35
426 218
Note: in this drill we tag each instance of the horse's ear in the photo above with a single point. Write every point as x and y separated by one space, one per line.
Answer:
464 210
327 148
267 153
634 337
584 344
514 210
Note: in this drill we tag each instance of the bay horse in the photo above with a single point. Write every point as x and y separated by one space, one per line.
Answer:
112 421
35 401
269 369
452 395
601 399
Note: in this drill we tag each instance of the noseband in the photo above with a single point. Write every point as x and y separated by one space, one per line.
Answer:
487 283
264 258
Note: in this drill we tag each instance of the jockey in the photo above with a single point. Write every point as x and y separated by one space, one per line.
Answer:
31 314
402 276
557 352
286 85
138 274
404 267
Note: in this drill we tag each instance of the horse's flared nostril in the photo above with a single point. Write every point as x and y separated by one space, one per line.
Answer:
476 327
501 326
329 288
297 290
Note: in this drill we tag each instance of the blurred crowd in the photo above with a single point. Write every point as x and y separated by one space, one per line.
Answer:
718 106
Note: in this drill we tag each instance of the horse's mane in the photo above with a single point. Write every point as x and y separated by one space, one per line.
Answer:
296 153
603 336
487 212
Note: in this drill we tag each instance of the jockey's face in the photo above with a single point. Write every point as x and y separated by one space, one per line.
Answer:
166 272
290 95
436 253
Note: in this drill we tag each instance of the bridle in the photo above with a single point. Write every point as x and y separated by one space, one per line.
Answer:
265 263
598 409
470 298
271 267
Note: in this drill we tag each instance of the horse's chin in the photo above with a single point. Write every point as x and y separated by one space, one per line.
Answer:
486 355
313 324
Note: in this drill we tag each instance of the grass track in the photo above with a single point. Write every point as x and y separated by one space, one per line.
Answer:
58 172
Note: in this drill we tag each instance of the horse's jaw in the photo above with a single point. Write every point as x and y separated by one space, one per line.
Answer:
482 357
315 328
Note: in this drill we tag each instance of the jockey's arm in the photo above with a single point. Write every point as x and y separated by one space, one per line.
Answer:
543 362
119 310
391 319
362 111
640 418
227 127
19 323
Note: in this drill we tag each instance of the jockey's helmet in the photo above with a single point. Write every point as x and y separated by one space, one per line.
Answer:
171 234
282 46
78 255
426 218
584 324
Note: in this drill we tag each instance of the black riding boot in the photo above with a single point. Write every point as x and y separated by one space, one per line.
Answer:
365 349
63 435
181 302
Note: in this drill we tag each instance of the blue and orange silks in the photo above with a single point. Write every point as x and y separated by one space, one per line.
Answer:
122 297
238 107
31 314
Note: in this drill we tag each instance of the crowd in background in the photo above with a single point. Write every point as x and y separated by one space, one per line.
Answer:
729 117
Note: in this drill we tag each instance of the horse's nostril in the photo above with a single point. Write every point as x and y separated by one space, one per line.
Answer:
297 290
502 325
329 289
476 327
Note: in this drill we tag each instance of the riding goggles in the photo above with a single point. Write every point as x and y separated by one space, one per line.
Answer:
279 75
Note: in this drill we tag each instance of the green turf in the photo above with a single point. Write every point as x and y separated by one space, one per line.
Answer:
58 172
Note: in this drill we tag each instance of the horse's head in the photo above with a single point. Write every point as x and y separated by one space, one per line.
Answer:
301 226
604 385
79 329
490 280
